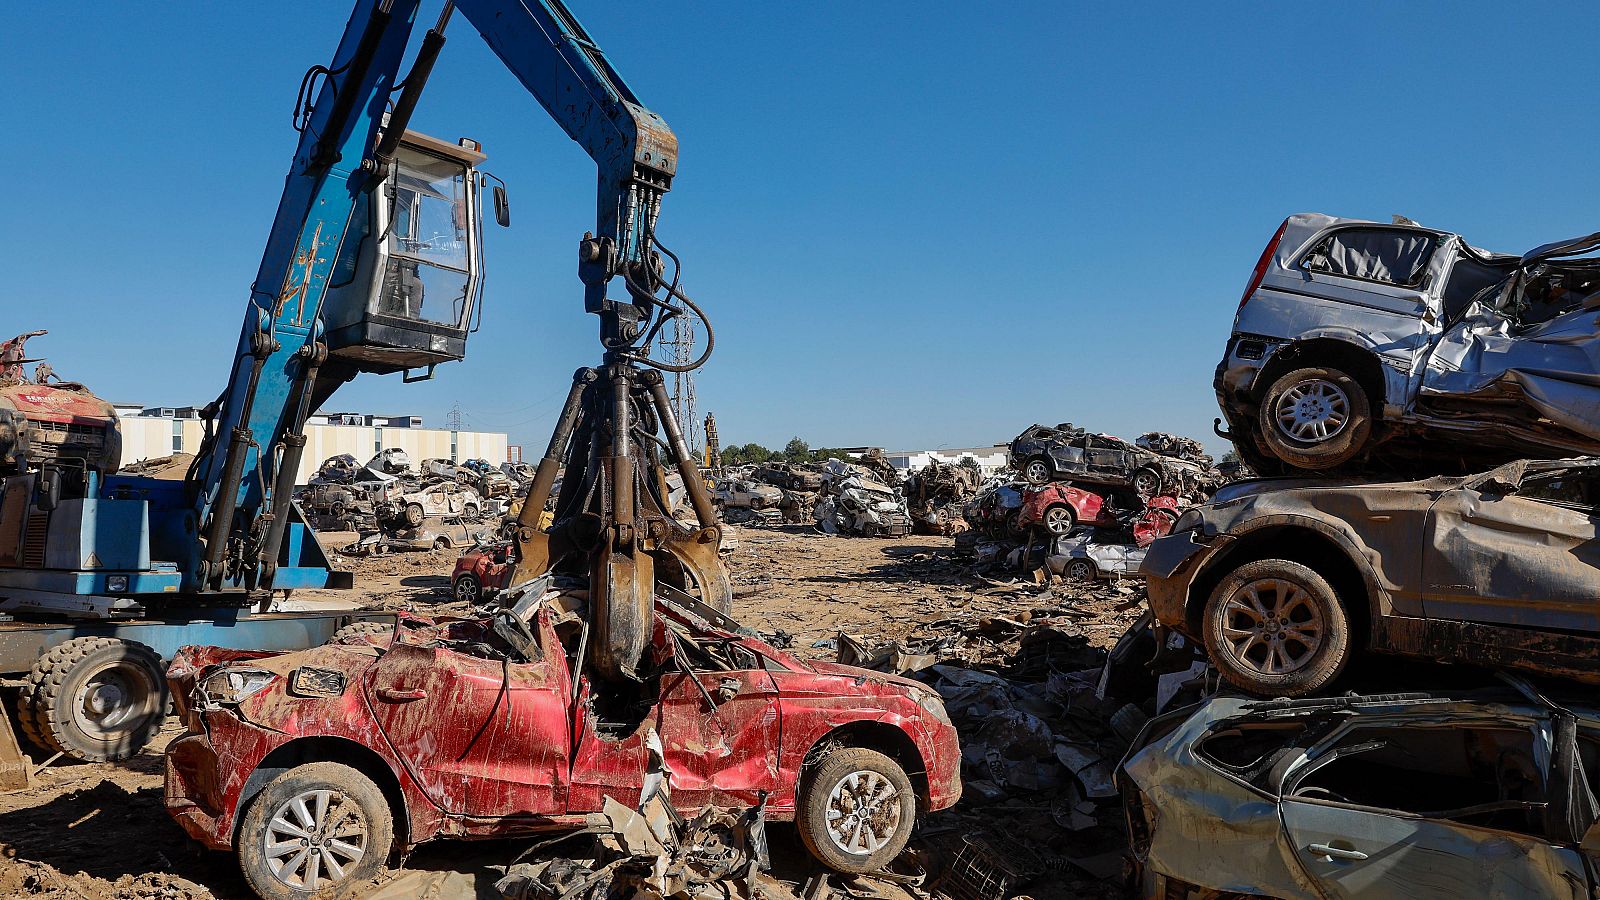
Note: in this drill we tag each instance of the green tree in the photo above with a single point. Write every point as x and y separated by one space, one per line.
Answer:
969 462
796 450
1231 458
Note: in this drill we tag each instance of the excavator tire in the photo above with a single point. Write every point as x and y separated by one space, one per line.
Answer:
97 699
361 630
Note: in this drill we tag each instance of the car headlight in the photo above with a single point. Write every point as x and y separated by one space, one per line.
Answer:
933 705
233 686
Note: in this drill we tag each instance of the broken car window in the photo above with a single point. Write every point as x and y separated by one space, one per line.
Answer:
1574 488
1389 255
1251 752
1482 776
1546 291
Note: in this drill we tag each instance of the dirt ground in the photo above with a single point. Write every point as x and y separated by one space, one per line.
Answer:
98 831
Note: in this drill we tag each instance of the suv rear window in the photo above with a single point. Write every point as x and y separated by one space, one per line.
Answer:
1388 255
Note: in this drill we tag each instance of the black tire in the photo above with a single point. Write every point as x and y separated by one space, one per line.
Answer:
757 503
1014 527
1037 470
96 699
828 789
1058 520
1315 400
355 831
467 588
1304 634
470 511
1146 483
360 631
1081 570
441 543
414 514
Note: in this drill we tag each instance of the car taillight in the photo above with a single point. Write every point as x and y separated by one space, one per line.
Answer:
1262 263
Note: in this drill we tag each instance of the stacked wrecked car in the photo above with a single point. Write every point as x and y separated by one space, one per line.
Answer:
1415 395
393 507
857 500
936 497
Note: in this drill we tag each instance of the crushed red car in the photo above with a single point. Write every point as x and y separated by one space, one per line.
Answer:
481 572
315 765
1059 508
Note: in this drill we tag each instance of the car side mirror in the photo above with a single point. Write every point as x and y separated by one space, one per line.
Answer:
502 207
47 489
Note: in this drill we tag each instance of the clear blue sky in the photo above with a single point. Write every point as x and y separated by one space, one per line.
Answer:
915 225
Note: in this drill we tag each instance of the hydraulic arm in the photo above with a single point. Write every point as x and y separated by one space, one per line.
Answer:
311 326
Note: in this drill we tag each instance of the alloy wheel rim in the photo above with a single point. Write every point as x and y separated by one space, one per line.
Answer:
1272 626
1058 521
466 589
1144 484
1081 570
863 812
1312 411
1037 472
315 839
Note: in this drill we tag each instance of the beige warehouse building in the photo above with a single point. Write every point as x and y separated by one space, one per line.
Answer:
153 432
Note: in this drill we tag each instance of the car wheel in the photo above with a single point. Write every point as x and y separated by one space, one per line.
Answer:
1081 570
1059 520
321 829
1037 471
1146 483
414 514
1014 527
1316 418
471 512
96 699
757 503
467 589
441 543
856 810
1275 628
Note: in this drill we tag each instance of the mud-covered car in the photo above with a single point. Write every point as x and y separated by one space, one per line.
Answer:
1357 338
742 493
1043 454
482 572
1487 794
862 506
316 766
1284 580
409 505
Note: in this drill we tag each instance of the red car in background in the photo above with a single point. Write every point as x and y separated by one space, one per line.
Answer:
481 572
315 766
1058 508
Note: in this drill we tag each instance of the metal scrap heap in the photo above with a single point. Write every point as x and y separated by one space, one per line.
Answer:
854 501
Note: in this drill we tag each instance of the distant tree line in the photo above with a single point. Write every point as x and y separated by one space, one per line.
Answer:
796 451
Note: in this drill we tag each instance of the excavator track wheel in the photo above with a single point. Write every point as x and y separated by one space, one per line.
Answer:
96 699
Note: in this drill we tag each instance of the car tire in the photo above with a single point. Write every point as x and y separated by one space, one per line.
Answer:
470 511
825 814
96 699
1081 570
1037 471
467 588
414 514
1315 418
345 812
361 630
1058 520
757 503
1146 483
1275 628
441 543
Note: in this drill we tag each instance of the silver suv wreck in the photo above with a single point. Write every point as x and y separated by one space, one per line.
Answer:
1355 337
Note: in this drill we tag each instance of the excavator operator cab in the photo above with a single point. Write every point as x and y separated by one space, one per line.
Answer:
405 284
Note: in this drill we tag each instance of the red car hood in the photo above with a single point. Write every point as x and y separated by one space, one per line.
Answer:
910 685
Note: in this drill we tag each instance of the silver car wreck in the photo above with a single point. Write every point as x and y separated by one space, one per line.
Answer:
1406 796
1355 339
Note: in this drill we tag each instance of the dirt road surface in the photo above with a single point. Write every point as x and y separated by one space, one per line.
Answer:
98 831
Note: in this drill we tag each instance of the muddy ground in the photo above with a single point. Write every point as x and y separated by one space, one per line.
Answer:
98 831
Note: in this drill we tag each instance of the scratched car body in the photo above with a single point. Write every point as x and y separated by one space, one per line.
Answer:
466 737
1403 796
1284 580
1066 453
1356 338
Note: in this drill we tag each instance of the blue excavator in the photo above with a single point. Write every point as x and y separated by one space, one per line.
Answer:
374 265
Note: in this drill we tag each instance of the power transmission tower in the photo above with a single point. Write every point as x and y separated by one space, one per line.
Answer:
453 420
677 344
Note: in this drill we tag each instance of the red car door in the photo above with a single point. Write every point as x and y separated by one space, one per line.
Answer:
723 752
484 737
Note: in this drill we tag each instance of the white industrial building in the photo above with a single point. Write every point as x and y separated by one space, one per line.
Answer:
990 459
153 432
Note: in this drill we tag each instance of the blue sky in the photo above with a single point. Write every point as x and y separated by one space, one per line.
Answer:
914 225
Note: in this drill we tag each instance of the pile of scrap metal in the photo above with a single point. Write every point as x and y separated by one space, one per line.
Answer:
1042 730
936 497
855 502
393 507
44 419
1159 463
742 500
799 482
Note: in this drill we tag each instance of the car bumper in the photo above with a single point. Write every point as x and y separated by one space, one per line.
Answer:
1170 565
203 784
944 772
